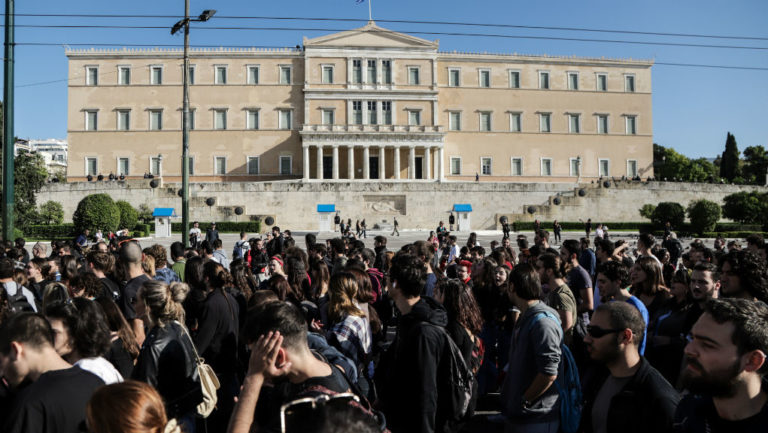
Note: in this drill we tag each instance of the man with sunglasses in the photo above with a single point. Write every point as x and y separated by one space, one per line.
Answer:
627 394
613 278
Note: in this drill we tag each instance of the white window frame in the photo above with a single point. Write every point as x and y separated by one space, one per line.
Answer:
480 73
543 73
120 79
384 70
250 79
248 160
450 165
607 123
512 83
290 164
223 79
630 174
551 166
548 116
600 167
384 113
159 80
627 78
597 81
190 74
357 74
249 124
95 159
356 115
280 69
280 122
571 171
571 128
327 67
454 124
375 71
630 119
480 115
569 76
515 126
159 126
512 165
418 75
332 112
152 160
371 111
94 125
451 71
216 165
127 166
414 112
216 113
92 80
127 123
482 165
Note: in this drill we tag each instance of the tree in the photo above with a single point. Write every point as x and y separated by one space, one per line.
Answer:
96 211
647 210
29 177
755 165
729 163
51 212
671 165
668 211
746 207
704 214
129 217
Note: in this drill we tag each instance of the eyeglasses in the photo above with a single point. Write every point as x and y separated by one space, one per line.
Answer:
597 332
297 413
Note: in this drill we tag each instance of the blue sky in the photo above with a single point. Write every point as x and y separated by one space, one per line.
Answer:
693 108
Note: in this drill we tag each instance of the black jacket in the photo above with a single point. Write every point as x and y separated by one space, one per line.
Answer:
646 403
408 376
167 362
276 245
216 337
697 414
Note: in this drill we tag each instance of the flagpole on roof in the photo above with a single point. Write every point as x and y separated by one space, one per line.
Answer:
370 16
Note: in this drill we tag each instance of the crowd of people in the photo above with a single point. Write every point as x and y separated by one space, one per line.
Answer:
592 336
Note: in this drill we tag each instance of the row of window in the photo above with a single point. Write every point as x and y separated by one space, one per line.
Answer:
545 122
545 167
155 121
285 164
220 74
572 81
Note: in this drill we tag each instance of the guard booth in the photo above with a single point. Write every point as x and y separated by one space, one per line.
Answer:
463 212
163 217
325 213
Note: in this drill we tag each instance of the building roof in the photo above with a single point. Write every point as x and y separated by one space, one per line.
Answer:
164 212
463 207
326 208
370 35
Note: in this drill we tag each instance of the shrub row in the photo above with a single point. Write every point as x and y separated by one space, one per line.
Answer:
578 225
50 231
223 226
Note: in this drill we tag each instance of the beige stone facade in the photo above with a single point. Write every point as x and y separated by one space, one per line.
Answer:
364 104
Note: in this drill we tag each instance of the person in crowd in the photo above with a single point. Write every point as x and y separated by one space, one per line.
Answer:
541 238
35 270
705 285
276 245
162 271
587 258
578 279
666 343
645 243
557 228
631 396
195 235
613 278
68 268
380 248
102 265
219 255
39 250
46 392
123 349
559 297
130 259
744 275
529 396
128 407
81 241
87 285
179 261
193 303
725 370
13 289
212 233
259 258
648 286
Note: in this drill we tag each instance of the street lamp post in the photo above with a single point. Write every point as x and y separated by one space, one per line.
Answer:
205 16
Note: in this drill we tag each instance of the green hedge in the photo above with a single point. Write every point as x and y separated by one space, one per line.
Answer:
50 231
577 225
222 227
734 234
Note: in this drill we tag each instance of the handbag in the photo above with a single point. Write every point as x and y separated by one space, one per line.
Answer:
209 383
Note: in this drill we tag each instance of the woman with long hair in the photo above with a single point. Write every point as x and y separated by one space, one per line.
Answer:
193 303
68 269
128 407
648 285
123 349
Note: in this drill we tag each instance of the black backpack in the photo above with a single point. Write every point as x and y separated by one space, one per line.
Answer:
456 381
17 302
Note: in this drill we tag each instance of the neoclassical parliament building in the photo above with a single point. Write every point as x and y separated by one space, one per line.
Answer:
361 105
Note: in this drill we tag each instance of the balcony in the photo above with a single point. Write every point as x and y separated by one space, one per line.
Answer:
372 128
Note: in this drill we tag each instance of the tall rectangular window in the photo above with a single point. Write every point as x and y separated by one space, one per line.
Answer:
517 166
485 166
253 74
285 165
124 75
328 116
220 165
453 77
631 125
602 123
602 82
574 123
327 74
631 168
91 166
357 71
156 75
386 71
573 81
543 80
485 121
91 75
371 72
191 165
629 83
605 167
252 121
454 121
546 166
545 122
484 78
357 112
386 112
155 166
155 120
285 119
123 120
413 75
455 166
220 75
285 75
515 122
372 115
414 117
574 166
191 75
514 79
123 166
192 119
253 165
91 120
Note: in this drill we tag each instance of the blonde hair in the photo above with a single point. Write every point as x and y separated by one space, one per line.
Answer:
342 291
148 265
163 301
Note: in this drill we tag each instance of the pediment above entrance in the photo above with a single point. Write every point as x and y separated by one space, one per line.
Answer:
370 35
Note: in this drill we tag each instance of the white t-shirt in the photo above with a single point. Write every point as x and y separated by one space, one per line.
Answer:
102 368
196 231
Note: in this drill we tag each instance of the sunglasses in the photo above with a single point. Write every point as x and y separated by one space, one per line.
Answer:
296 414
597 332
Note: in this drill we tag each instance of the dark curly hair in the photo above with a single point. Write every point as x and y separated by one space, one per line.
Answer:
752 273
87 325
460 304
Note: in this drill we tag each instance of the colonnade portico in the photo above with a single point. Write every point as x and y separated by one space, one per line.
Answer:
428 156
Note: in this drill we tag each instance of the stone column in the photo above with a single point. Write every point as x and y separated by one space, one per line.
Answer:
335 162
366 163
351 162
305 163
441 165
427 164
319 161
382 162
412 162
397 162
